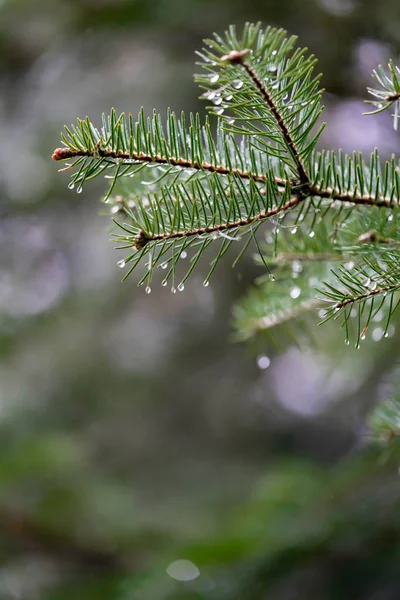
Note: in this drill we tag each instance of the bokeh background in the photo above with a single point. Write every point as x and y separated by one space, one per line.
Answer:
144 454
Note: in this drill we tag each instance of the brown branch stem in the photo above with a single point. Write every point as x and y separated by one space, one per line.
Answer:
60 154
386 289
279 119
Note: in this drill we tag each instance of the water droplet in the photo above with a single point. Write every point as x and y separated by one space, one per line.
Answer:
173 290
114 209
263 362
214 78
272 68
295 292
121 264
347 342
357 346
272 277
79 190
390 218
275 52
231 121
378 317
293 231
219 111
311 234
322 313
276 230
237 84
71 186
349 265
229 98
181 287
353 313
148 290
380 105
217 100
164 265
183 254
183 570
362 336
206 283
164 283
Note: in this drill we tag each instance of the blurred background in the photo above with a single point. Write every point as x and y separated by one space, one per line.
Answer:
144 454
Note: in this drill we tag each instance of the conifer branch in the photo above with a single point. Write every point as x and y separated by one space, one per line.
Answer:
183 188
237 58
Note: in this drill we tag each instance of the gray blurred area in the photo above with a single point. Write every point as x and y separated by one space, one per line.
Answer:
145 455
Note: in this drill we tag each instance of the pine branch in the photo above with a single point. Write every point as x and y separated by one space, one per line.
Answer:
182 189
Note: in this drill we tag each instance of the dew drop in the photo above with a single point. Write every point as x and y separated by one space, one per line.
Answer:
219 111
164 283
275 52
121 264
164 265
311 234
206 283
183 254
263 362
229 98
295 292
217 100
362 336
114 209
357 346
237 84
231 121
79 190
293 231
380 105
181 287
173 290
272 277
390 218
71 186
214 78
347 341
349 265
148 290
322 313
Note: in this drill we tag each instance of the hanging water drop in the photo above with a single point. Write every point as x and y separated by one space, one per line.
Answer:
237 84
173 290
272 277
114 209
272 68
79 190
183 254
71 186
214 78
181 287
164 265
219 111
347 341
217 100
311 234
148 290
231 121
228 98
206 283
164 283
293 231
275 52
390 218
121 264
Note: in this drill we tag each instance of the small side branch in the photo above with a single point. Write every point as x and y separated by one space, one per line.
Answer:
143 239
382 290
61 154
237 57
